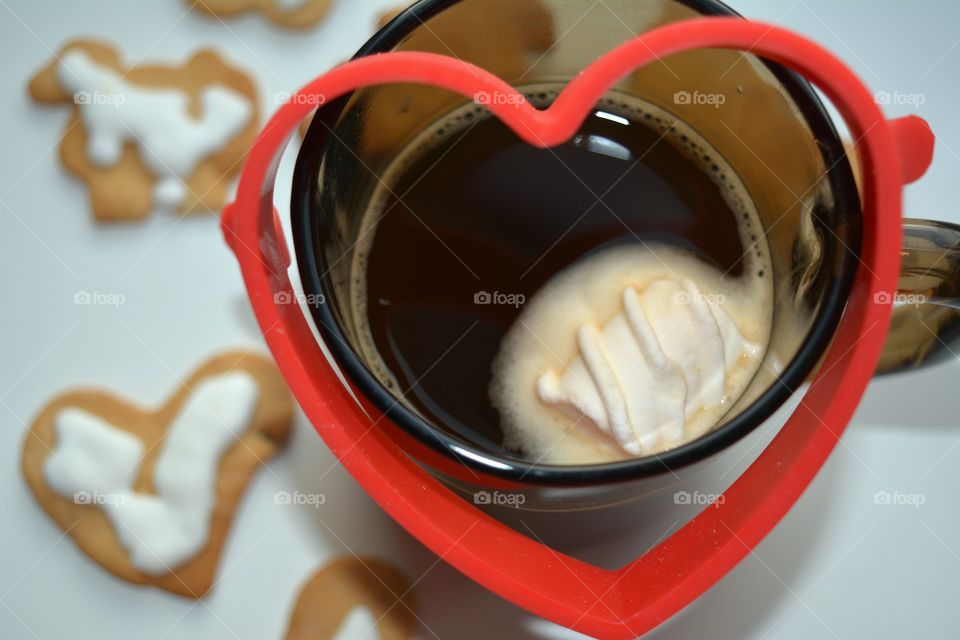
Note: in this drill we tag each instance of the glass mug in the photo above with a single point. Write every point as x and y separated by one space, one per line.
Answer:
794 148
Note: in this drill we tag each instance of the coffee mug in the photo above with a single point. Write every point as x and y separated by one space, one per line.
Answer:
834 259
776 136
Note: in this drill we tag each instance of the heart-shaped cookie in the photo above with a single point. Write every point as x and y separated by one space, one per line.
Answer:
354 597
150 494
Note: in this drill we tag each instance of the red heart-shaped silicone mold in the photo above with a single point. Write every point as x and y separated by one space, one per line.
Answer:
635 598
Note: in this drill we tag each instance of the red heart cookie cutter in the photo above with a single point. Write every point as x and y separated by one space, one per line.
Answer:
632 600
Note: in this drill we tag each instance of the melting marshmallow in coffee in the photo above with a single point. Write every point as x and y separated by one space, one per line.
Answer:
630 352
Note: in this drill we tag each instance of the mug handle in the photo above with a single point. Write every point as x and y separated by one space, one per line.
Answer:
925 327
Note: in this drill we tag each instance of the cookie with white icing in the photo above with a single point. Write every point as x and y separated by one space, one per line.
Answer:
354 597
149 134
296 14
150 494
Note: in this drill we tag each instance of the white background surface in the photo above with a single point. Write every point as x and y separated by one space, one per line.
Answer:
838 566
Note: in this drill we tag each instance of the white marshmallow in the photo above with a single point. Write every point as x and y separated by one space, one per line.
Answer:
625 354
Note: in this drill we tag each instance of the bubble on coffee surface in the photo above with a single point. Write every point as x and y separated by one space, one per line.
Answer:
558 433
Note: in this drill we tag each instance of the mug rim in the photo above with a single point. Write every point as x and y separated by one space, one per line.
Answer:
822 329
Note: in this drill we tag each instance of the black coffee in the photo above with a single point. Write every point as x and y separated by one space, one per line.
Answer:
478 221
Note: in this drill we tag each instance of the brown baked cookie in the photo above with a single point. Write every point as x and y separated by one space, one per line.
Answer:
354 594
296 14
150 494
150 133
384 18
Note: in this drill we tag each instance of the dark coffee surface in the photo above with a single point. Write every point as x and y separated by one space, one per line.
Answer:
485 213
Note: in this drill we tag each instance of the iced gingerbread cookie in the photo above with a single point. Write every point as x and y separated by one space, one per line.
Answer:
354 597
296 14
147 135
150 494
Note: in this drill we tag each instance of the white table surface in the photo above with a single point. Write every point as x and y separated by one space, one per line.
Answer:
838 566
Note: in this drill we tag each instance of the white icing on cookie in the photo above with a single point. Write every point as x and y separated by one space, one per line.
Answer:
91 457
358 624
169 527
170 140
169 193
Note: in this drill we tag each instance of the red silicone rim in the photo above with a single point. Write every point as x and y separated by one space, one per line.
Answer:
634 599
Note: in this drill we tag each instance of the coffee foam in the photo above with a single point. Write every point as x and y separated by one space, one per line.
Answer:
748 299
